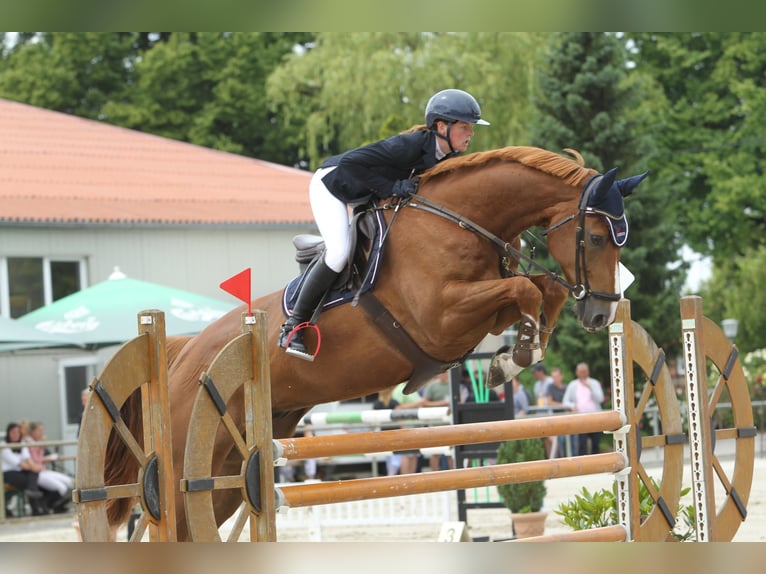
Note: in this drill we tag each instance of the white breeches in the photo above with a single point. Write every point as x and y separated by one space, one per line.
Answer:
332 219
54 480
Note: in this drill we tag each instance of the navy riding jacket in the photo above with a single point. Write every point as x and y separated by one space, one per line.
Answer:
371 171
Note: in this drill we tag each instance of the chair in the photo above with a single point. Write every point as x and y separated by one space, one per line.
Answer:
12 493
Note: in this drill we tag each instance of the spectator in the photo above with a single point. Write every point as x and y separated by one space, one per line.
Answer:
585 395
56 485
384 401
520 398
20 471
542 380
408 463
437 394
554 397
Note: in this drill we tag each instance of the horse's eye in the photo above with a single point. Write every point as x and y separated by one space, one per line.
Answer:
597 240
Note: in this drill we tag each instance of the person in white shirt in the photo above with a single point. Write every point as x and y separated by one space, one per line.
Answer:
585 395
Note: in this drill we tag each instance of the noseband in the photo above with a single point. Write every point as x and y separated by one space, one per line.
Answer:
580 290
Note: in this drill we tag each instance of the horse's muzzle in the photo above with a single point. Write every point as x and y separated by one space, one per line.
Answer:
595 314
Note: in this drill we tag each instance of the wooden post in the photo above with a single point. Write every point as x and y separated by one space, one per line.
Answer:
157 433
263 523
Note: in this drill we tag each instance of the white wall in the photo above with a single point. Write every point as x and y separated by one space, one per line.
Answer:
195 259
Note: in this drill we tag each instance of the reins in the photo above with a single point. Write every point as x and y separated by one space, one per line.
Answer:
580 290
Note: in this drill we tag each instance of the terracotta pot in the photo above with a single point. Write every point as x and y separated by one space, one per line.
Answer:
528 524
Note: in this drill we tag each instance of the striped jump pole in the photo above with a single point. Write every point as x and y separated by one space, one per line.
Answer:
380 416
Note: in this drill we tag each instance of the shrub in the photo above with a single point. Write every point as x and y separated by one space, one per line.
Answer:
524 496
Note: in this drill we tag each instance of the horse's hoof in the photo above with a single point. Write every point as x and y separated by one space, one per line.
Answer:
495 377
502 369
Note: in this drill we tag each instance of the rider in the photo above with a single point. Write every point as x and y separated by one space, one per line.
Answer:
378 170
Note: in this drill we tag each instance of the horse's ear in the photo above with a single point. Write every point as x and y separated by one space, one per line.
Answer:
626 186
603 187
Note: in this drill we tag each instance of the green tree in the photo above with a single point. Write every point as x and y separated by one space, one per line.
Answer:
713 149
351 89
204 88
736 290
75 73
589 99
711 155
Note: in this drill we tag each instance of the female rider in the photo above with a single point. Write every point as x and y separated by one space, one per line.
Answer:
378 170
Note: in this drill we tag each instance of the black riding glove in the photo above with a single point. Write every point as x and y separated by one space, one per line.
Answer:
404 188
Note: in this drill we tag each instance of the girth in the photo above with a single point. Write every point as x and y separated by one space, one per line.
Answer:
424 367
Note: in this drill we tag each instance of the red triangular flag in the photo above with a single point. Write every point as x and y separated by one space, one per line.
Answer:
239 286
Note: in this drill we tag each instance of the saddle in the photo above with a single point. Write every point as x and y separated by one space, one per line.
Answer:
357 280
359 273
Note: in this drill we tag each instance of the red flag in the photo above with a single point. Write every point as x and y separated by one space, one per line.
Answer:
239 286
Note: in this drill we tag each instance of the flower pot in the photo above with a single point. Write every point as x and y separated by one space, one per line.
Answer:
528 524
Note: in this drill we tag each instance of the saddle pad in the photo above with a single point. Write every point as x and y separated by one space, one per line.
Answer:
340 296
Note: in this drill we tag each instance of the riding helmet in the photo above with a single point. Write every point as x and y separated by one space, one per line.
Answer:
453 106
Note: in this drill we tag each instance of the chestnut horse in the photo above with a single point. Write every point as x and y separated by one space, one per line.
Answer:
448 277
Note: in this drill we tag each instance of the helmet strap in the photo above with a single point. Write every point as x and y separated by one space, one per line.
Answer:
446 137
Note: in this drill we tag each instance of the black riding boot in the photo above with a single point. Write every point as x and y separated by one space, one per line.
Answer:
319 279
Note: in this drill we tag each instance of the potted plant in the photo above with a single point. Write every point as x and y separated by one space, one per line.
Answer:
524 499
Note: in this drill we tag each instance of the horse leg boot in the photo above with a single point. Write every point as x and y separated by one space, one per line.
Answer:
319 279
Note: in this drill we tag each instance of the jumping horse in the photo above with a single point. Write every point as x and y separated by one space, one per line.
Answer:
449 277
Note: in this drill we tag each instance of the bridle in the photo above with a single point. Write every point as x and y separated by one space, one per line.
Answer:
507 253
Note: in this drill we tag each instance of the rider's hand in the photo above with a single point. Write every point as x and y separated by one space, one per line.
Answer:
404 188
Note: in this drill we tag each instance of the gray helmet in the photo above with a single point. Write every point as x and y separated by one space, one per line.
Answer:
453 106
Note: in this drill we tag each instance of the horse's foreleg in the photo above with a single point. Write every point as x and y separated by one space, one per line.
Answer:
505 302
554 297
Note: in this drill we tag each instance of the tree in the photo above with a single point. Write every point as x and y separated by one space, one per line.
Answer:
736 290
204 88
713 152
588 99
74 73
343 91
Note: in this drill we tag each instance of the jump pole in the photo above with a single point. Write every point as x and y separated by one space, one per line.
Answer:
302 448
301 495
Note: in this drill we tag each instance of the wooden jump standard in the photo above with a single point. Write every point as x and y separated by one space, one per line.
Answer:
238 364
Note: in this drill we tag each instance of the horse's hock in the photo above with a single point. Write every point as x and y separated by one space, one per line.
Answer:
140 365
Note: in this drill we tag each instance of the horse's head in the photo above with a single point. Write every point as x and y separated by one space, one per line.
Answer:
598 231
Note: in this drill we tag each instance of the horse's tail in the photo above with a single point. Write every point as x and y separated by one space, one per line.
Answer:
120 466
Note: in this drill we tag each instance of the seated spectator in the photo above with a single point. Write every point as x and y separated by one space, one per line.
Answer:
520 398
56 485
20 471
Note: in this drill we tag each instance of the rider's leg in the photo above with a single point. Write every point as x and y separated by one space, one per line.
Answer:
331 216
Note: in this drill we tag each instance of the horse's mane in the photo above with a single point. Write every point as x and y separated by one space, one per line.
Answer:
572 172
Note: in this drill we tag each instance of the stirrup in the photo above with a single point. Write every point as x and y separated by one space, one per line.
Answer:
298 353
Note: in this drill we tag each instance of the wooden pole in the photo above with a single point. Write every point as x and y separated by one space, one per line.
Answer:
301 495
302 448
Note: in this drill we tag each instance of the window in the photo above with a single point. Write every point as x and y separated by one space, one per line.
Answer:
28 283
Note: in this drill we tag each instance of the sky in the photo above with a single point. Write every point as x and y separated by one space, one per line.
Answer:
700 270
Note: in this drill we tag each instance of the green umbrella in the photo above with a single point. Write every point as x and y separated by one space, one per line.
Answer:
16 335
105 313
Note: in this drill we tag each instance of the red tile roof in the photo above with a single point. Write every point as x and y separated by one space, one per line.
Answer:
57 168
